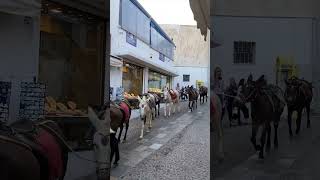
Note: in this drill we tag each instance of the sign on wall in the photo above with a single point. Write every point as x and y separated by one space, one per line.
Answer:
119 93
5 92
131 39
32 100
162 57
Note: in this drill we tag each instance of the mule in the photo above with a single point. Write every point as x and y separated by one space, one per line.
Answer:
171 100
145 114
298 95
32 150
216 124
267 104
193 98
203 91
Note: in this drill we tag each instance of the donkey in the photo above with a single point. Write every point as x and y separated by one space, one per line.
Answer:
193 98
152 103
171 98
157 101
145 114
203 91
216 124
33 150
267 105
298 95
126 111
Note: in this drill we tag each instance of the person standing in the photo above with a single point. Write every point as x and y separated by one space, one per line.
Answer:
218 87
241 103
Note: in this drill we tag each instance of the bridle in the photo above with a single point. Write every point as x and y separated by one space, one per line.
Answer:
296 94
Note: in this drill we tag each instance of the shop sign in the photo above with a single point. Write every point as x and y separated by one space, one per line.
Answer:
162 57
5 91
32 100
131 39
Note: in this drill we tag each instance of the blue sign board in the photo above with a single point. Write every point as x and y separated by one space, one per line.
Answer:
32 100
162 57
131 39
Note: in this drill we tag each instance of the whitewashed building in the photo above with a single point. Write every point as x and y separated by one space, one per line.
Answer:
191 55
253 34
141 52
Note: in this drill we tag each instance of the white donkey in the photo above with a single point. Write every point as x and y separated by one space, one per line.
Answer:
101 142
145 114
171 98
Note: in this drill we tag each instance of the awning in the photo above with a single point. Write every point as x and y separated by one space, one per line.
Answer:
115 61
201 13
136 60
30 8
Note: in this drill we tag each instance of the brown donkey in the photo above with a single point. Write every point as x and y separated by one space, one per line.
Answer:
298 95
267 105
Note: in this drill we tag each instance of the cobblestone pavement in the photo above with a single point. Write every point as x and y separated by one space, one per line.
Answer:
296 158
176 148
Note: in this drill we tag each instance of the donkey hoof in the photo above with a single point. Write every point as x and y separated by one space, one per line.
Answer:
124 141
140 137
258 147
308 126
297 132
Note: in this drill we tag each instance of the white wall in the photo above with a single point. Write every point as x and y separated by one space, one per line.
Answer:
273 36
196 73
19 52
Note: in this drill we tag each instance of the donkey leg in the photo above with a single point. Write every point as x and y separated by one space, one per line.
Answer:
170 106
289 121
125 134
165 110
308 115
254 131
142 128
117 158
159 109
268 138
276 124
121 128
298 121
112 144
262 141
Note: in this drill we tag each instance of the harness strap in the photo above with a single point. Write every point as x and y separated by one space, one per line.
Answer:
15 142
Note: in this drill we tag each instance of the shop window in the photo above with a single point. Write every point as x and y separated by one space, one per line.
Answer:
71 60
132 79
244 52
157 81
186 78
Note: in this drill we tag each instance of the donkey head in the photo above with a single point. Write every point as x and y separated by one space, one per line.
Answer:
291 91
100 139
143 106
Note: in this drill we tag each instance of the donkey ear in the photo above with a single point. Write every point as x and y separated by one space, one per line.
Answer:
139 98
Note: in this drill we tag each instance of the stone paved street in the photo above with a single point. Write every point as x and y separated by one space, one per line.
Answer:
176 148
296 159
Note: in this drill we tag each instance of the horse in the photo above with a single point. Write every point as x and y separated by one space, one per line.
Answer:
171 98
33 150
298 95
267 105
145 113
203 91
193 98
216 124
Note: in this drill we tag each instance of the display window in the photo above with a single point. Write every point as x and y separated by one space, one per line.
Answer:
157 82
132 80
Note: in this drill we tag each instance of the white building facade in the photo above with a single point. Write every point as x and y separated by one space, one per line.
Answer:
252 37
141 52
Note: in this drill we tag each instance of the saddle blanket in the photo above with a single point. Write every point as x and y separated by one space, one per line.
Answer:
51 148
124 107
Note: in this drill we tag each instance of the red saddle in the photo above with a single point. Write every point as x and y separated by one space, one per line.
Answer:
172 94
126 109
